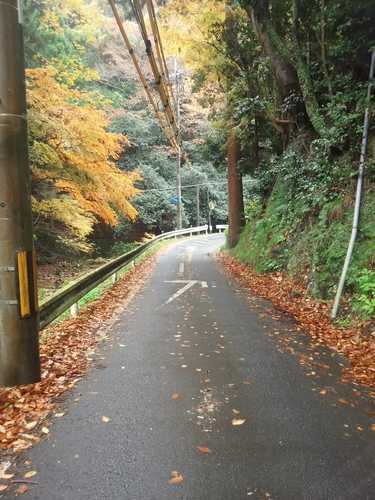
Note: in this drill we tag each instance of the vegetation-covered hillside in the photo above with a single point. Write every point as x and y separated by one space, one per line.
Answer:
288 80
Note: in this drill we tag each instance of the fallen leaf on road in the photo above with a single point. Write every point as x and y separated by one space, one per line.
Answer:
22 489
183 366
345 401
238 422
45 430
30 474
204 449
247 383
207 380
163 367
106 419
6 476
3 487
199 369
373 427
236 412
31 425
323 391
59 415
177 478
175 396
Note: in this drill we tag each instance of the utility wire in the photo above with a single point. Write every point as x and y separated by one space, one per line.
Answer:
172 188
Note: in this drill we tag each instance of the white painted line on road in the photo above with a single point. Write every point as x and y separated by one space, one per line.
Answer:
213 284
181 269
188 285
204 284
190 252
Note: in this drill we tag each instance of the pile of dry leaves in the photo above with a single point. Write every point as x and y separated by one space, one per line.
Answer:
66 350
313 316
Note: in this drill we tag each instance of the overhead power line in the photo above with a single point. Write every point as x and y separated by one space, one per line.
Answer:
209 183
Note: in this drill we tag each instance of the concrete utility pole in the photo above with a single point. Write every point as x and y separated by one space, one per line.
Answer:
178 161
19 348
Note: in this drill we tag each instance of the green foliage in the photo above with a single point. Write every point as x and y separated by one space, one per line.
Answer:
364 300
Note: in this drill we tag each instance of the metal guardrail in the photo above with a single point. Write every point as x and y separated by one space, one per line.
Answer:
53 306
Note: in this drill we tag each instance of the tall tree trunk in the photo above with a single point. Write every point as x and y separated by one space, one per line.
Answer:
287 65
235 192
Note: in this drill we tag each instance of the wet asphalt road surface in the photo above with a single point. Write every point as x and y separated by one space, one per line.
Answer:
190 356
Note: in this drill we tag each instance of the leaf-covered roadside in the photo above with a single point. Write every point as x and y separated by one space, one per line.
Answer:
66 351
312 316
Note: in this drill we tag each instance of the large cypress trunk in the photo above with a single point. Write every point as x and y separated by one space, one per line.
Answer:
235 194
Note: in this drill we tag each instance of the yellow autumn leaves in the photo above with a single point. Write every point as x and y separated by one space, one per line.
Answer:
71 158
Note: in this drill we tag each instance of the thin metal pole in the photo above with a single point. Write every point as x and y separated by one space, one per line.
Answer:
357 207
19 349
178 160
209 211
197 205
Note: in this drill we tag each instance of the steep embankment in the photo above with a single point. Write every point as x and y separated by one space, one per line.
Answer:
304 226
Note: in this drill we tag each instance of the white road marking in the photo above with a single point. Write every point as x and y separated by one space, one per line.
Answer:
189 253
188 285
213 284
204 284
181 269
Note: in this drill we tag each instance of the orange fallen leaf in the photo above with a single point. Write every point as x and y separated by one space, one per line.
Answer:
30 473
22 489
163 367
177 478
247 383
236 412
106 419
345 401
204 449
373 427
3 487
175 396
207 380
323 391
236 421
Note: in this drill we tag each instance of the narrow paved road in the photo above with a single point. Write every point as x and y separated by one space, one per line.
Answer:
188 359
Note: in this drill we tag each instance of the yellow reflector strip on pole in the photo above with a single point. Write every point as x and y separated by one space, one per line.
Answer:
23 284
35 282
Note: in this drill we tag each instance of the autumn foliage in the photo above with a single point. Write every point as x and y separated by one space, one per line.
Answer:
74 179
